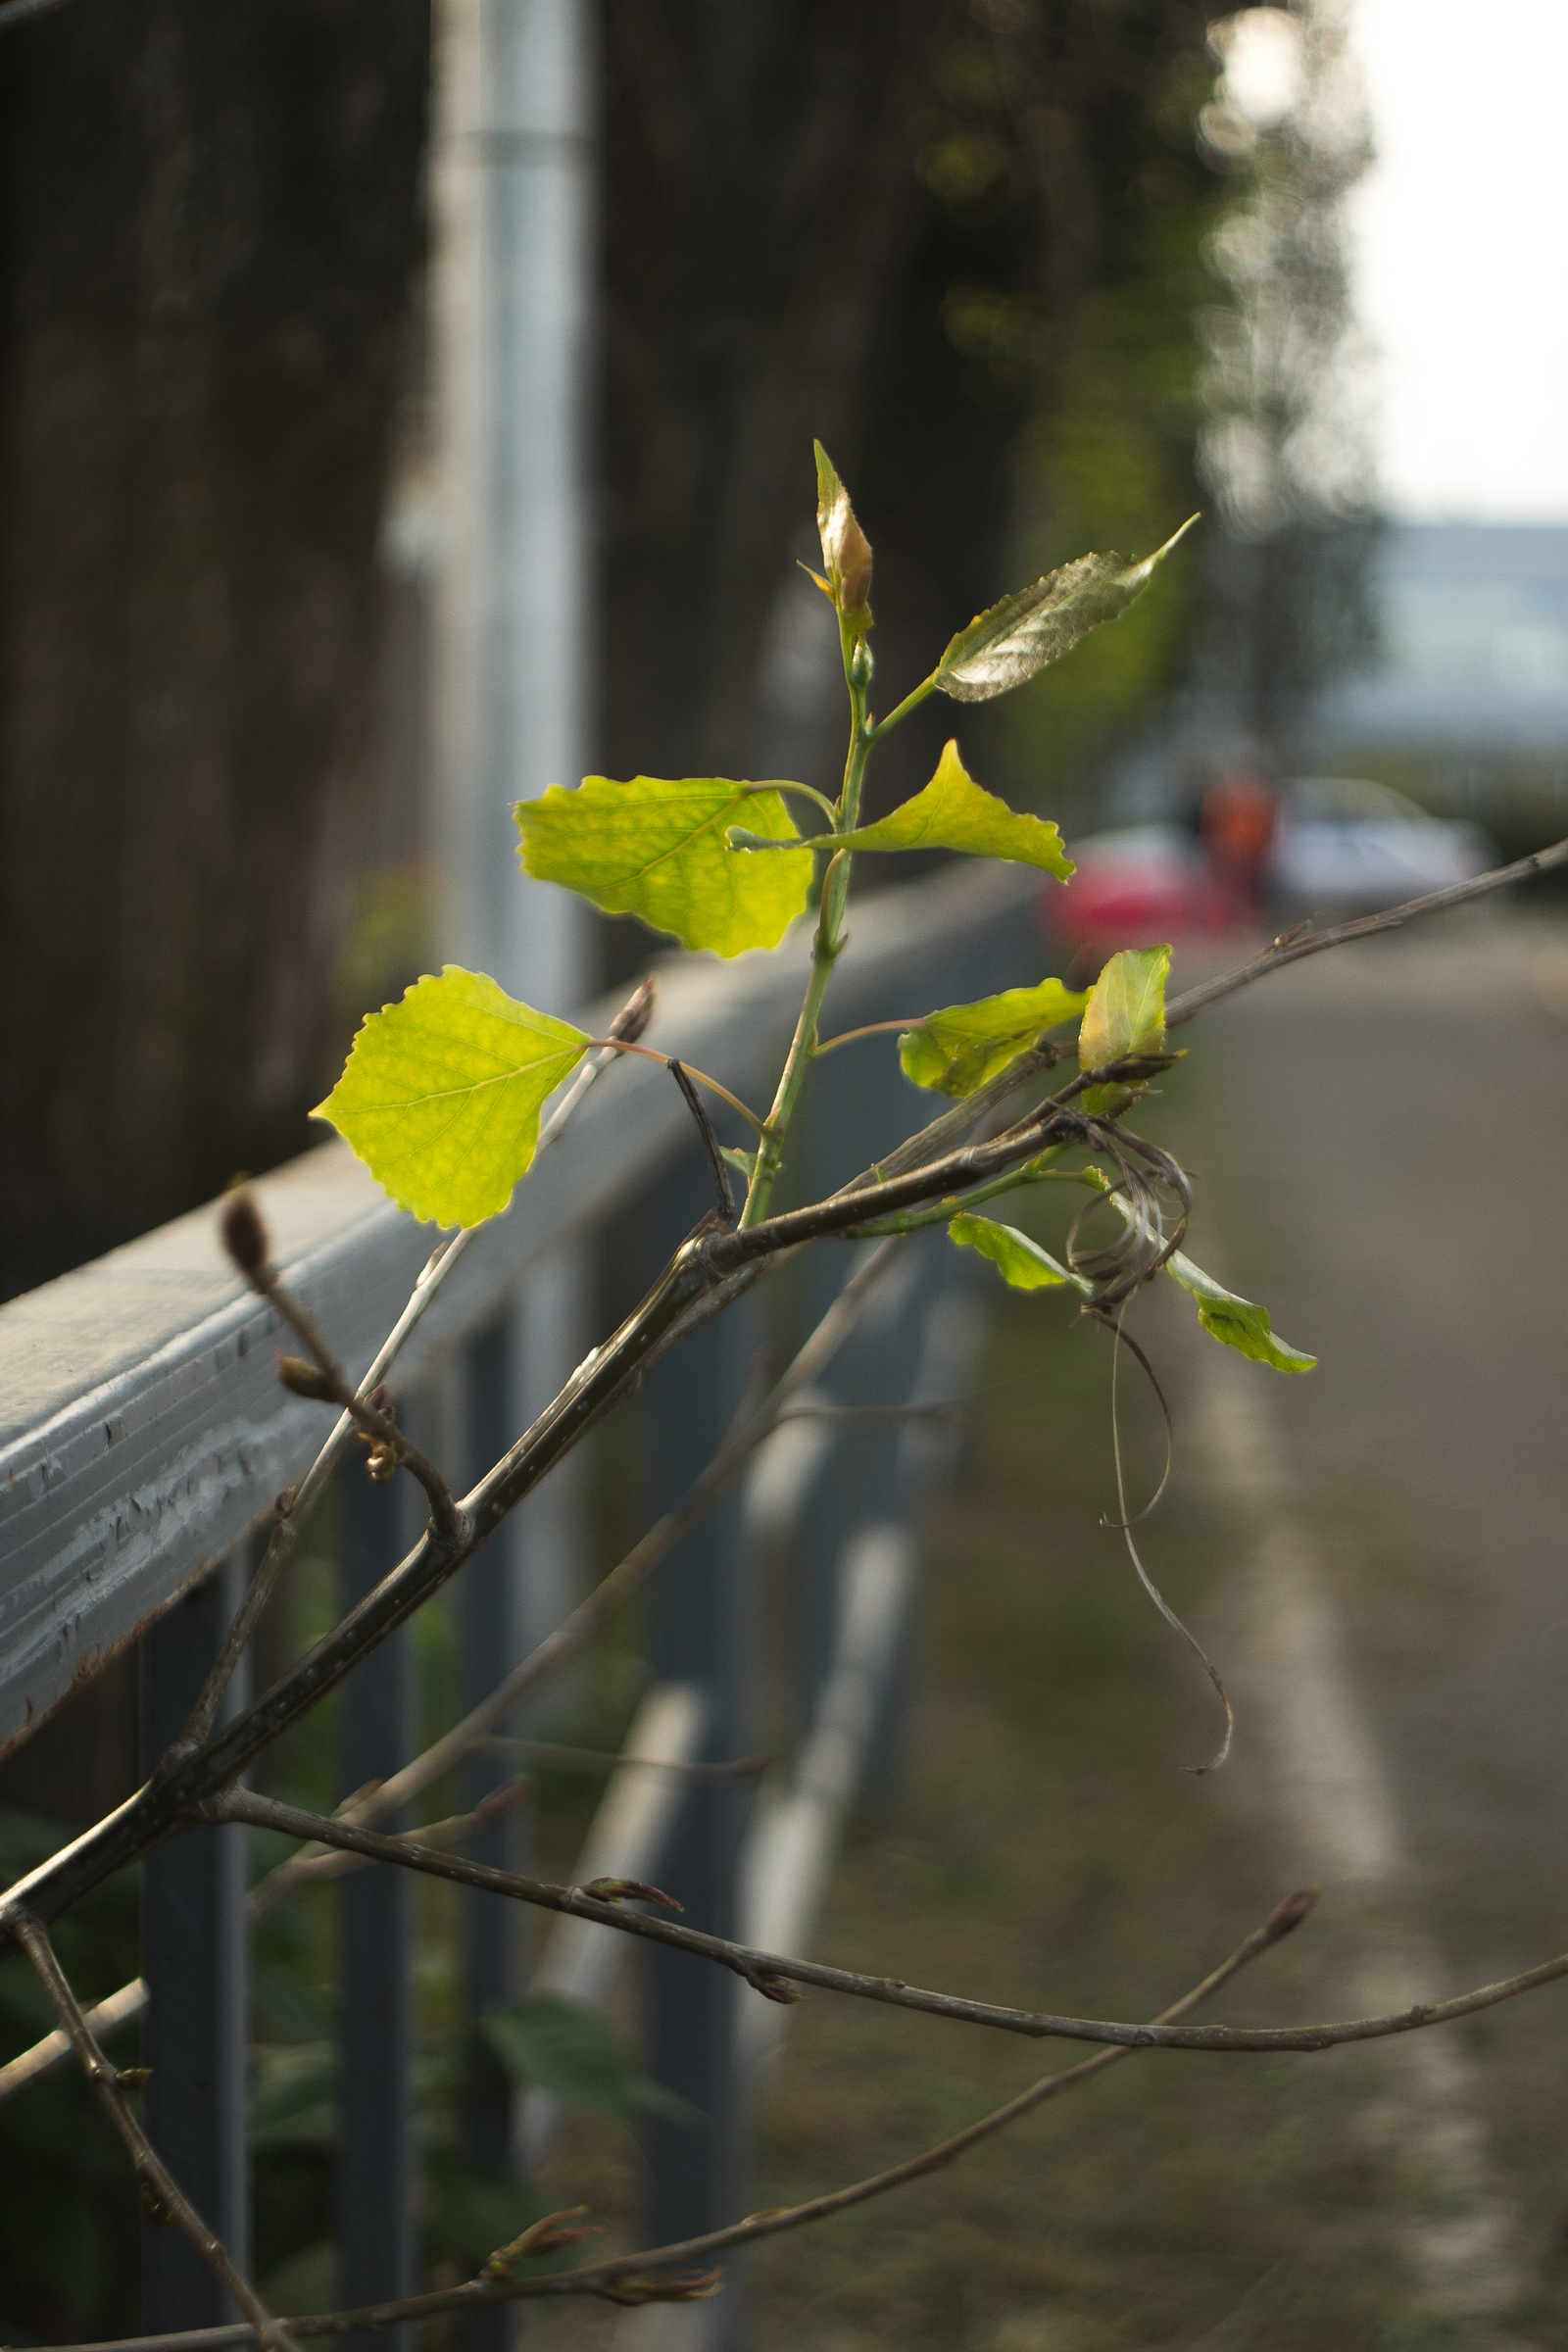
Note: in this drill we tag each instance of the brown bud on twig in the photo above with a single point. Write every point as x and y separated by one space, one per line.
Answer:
304 1380
629 1890
132 2078
634 1016
777 1989
1289 1915
244 1233
284 1503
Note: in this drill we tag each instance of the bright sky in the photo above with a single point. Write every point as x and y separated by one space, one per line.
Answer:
1461 275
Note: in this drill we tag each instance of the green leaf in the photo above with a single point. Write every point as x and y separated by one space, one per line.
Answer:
441 1095
1021 636
845 549
569 2050
1236 1322
1023 1265
962 1048
955 812
656 849
1126 1014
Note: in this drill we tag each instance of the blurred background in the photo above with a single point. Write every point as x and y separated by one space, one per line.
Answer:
1044 275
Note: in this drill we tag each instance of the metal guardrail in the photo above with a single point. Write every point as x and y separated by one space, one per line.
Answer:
143 1435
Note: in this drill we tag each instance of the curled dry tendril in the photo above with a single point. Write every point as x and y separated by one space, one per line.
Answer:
1146 1177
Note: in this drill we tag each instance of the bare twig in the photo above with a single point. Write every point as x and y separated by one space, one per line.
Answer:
628 1025
162 2195
323 1378
716 1168
124 2007
1293 947
110 2016
591 2278
769 1973
604 1759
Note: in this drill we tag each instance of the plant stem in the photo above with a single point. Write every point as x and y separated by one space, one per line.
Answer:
825 951
901 710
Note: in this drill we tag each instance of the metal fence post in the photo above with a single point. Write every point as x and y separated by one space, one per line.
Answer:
376 2159
704 1636
495 1930
194 1960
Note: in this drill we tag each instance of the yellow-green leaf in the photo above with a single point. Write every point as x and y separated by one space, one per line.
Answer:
1022 635
1022 1263
1126 1015
845 549
962 1048
1236 1321
656 849
441 1095
955 812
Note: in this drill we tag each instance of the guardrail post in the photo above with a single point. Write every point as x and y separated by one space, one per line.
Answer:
376 2156
495 1930
193 1957
703 1635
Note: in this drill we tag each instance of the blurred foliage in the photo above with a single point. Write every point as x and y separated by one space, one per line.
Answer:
1063 146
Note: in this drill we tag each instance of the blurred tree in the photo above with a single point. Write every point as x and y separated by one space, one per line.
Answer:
959 240
212 233
1285 447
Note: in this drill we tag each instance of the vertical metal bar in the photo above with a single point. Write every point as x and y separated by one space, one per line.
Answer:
494 1929
513 186
703 1635
194 1960
375 2015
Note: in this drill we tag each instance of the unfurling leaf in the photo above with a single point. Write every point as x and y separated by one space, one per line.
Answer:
441 1095
546 2237
1024 633
656 847
955 812
665 2286
1126 1015
1022 1262
962 1048
845 549
1236 1322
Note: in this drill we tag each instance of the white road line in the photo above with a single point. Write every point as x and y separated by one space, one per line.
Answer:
1284 1656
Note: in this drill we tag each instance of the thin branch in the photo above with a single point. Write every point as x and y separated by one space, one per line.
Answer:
1290 949
771 1973
295 1507
162 2194
604 1759
848 1037
716 1168
591 2278
575 1632
111 2016
323 1378
651 1053
309 1869
302 1870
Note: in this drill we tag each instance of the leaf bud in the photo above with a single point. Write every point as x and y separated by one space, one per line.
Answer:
244 1233
546 2237
132 2078
1289 1915
635 1014
862 663
304 1380
629 1890
777 1989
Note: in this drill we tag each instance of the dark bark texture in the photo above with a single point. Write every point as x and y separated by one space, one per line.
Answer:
211 224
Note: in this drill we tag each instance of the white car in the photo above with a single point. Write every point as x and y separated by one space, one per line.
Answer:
1347 844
